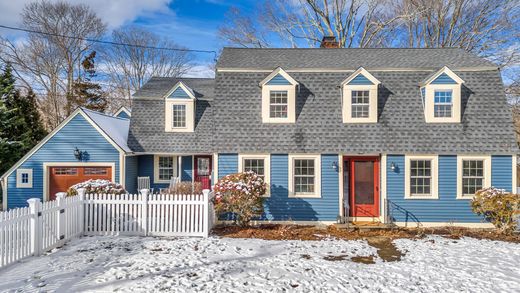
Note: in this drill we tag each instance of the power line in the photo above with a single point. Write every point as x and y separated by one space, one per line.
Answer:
109 42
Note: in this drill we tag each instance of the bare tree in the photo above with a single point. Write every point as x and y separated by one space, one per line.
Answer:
52 61
354 23
130 67
480 26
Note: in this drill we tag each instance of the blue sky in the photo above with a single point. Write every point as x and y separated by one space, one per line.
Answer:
193 24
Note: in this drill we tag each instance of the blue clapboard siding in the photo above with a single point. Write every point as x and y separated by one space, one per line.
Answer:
278 80
443 79
227 164
187 168
447 208
123 114
360 79
60 148
131 168
179 93
279 207
502 172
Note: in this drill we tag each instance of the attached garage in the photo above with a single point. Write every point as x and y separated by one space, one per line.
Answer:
87 145
62 177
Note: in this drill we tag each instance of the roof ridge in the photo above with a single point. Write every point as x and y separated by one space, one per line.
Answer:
102 114
371 48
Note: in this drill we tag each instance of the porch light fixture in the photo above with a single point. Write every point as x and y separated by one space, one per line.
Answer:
78 154
335 166
392 166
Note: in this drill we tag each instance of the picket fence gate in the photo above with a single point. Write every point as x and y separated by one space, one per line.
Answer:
43 226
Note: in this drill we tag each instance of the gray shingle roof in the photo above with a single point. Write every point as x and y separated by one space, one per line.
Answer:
157 87
147 123
352 59
486 120
229 107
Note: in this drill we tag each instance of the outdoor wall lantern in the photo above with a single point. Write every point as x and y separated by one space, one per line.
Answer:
78 154
392 166
335 166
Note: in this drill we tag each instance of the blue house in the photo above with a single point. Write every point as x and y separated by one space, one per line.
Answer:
401 135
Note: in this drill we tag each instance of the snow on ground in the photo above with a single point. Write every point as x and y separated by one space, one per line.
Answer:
138 264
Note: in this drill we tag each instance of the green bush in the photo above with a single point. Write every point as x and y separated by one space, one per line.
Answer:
498 206
241 195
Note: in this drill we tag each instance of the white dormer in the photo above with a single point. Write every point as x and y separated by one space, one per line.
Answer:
179 109
441 95
278 97
359 104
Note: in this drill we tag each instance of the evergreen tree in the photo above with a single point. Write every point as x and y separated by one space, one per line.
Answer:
21 127
87 93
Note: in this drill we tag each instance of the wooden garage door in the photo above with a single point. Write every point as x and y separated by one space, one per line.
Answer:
61 178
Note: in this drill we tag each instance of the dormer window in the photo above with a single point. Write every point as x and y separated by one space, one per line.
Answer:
278 97
441 95
180 109
360 97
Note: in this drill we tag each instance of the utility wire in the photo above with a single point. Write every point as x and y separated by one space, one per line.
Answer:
109 42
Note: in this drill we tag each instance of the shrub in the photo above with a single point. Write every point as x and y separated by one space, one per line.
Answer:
97 186
497 206
185 188
240 194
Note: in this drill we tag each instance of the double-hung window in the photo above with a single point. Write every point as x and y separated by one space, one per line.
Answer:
258 163
304 176
179 116
278 104
421 177
165 168
443 103
360 104
472 176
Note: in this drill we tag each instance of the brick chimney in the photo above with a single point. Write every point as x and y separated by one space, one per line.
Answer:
329 42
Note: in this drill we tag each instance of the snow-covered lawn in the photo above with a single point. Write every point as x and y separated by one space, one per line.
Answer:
138 264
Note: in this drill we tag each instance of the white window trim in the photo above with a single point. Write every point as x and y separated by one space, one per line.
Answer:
156 168
317 180
487 173
443 103
185 116
434 188
267 167
347 103
291 103
19 183
190 115
429 105
291 97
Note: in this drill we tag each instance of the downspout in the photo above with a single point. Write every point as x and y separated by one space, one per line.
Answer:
3 183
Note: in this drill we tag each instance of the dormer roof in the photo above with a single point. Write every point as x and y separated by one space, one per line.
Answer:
180 91
278 77
361 77
442 76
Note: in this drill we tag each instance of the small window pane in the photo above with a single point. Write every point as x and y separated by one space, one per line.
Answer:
360 104
95 171
420 177
179 116
472 176
255 165
166 168
25 178
304 176
443 103
278 104
65 171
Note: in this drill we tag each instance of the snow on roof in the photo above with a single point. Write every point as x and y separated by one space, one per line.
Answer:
116 128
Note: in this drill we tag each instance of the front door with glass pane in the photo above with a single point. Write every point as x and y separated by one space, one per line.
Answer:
363 187
202 166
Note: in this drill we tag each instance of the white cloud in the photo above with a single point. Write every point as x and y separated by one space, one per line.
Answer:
113 12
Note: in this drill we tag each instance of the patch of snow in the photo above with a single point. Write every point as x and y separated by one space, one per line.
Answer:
139 264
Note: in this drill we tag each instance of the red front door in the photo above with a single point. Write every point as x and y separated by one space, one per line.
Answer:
202 166
363 190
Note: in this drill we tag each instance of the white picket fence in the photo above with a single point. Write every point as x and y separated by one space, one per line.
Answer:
44 226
